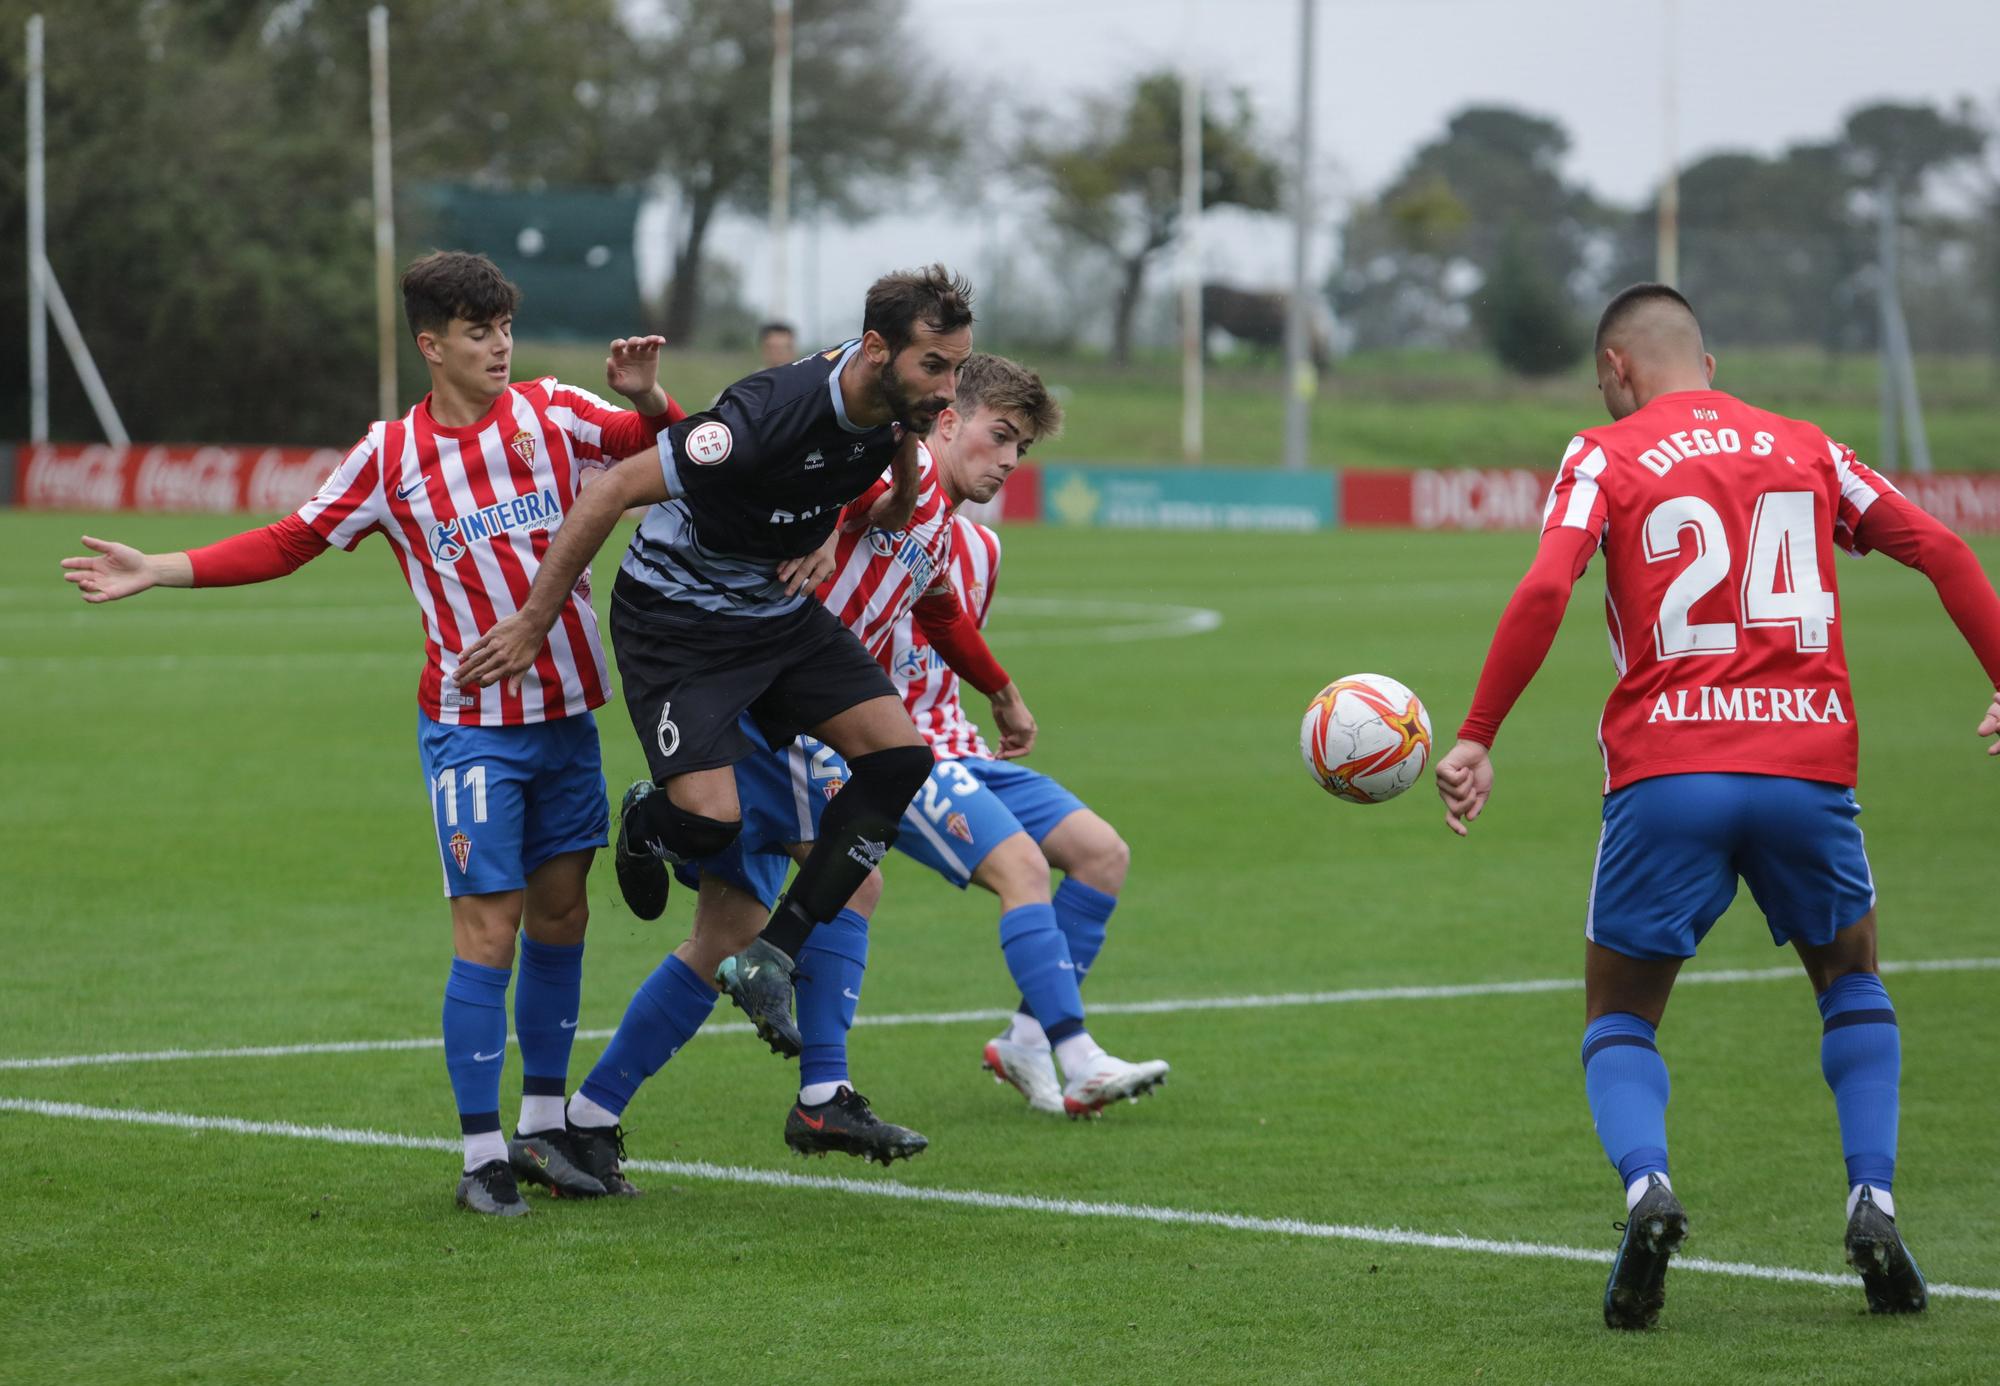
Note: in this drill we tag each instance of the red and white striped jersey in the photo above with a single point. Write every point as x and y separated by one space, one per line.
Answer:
930 689
469 512
879 574
1718 523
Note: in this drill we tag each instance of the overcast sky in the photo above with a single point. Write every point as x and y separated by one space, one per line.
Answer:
1753 74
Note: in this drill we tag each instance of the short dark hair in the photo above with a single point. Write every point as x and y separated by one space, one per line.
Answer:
934 296
447 284
1007 387
773 327
1630 300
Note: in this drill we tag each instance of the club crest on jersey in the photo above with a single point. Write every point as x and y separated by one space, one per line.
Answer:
523 444
959 828
450 540
461 850
832 787
709 443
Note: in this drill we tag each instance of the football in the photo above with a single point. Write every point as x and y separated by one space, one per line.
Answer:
1366 738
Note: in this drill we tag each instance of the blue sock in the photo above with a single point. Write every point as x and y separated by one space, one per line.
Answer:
1039 959
1626 1081
1861 1054
546 998
1083 913
828 989
665 1012
475 1042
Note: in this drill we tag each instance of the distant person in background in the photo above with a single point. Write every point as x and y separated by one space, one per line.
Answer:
777 344
468 488
1730 748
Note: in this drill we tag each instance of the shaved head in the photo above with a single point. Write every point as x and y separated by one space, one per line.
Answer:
1650 318
1649 343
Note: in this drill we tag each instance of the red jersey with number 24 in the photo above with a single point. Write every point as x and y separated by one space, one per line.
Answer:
1718 522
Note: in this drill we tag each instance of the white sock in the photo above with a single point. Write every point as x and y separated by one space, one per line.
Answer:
1028 1031
540 1113
1077 1052
584 1112
483 1149
1636 1190
816 1094
1884 1200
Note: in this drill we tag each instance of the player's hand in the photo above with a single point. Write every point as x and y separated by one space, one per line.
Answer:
111 571
811 570
1464 779
507 651
1016 723
1989 725
633 367
893 508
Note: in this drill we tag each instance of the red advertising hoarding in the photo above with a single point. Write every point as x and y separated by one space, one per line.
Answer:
168 477
1468 498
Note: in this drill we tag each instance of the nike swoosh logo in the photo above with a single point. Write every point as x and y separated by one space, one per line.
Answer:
817 1124
486 1058
848 994
567 1024
1067 967
537 1156
405 492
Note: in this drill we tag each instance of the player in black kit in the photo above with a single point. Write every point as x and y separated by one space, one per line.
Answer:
709 619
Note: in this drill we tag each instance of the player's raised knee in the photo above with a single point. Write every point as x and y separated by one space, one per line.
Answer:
1016 871
679 834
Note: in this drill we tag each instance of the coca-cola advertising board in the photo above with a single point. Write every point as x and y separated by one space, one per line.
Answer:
168 477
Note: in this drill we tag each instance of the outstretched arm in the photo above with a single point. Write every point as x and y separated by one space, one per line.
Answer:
1464 775
509 649
118 570
1916 539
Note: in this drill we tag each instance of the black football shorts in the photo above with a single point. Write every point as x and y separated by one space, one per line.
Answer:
688 678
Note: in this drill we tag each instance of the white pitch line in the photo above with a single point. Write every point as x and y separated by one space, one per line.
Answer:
1170 1006
976 1198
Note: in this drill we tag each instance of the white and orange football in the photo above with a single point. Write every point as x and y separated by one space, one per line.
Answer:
1366 738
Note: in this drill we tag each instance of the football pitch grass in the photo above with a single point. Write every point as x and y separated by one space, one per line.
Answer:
217 839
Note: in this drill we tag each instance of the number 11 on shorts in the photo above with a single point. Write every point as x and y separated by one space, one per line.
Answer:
445 787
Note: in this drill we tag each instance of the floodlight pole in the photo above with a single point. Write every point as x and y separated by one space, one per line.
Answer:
1190 266
38 307
1300 380
385 215
1668 268
781 157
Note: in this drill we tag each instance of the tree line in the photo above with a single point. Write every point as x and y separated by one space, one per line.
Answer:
209 192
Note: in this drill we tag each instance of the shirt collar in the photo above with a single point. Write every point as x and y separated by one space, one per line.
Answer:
833 387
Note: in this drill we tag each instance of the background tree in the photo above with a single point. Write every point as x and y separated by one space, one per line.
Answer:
1490 186
864 117
1114 185
209 188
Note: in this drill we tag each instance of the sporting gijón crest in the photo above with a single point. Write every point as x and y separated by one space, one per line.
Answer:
461 850
523 444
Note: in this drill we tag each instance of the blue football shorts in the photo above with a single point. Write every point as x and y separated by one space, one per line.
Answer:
1673 847
506 799
965 809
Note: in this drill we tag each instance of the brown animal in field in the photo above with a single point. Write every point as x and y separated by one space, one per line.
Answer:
1256 318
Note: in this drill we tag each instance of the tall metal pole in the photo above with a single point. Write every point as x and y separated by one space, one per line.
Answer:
385 213
1190 266
1668 269
781 156
1301 382
38 303
1885 297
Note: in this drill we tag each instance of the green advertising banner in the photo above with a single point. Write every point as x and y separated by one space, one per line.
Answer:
1186 498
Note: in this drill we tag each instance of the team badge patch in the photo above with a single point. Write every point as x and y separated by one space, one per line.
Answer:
959 828
709 443
461 850
832 787
523 444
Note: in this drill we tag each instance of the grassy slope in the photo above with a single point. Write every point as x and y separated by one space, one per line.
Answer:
216 834
1408 409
